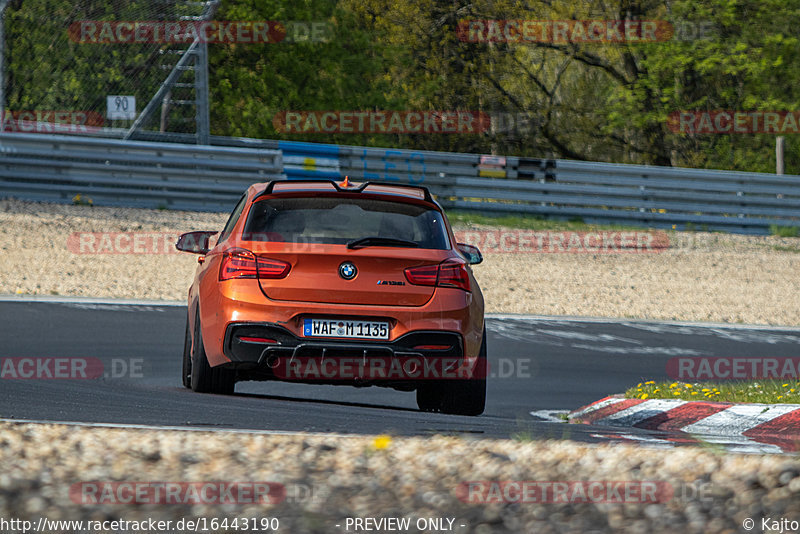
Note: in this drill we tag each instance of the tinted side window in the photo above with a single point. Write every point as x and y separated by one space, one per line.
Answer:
235 214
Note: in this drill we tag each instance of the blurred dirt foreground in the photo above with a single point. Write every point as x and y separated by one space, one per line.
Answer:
322 484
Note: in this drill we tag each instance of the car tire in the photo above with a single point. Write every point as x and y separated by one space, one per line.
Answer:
207 379
187 357
468 396
429 397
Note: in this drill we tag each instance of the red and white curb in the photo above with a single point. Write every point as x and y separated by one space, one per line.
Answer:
761 427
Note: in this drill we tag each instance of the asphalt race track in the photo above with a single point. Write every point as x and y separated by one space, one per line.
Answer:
538 363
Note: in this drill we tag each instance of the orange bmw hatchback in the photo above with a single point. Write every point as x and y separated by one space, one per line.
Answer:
325 282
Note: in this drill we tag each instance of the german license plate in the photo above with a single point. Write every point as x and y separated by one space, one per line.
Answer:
345 328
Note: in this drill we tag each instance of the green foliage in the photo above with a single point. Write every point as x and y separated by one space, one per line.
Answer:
595 101
755 391
531 222
47 69
784 231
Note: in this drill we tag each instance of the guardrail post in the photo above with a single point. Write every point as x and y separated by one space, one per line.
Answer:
201 92
3 5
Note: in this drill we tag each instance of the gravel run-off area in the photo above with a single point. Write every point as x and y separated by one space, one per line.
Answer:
44 471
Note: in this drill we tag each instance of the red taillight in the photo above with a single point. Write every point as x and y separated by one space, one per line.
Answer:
423 276
433 347
269 268
447 274
257 339
453 274
237 263
241 263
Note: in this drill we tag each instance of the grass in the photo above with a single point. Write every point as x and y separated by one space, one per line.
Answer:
758 391
535 222
529 222
782 248
784 231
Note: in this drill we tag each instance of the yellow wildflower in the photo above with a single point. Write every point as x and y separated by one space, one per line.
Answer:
382 441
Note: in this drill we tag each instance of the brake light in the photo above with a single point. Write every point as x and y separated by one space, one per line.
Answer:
241 263
423 276
269 268
453 274
447 274
433 347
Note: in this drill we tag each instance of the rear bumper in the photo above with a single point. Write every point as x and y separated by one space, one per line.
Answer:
224 306
403 362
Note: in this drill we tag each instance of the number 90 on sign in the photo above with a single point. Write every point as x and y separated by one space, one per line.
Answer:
120 107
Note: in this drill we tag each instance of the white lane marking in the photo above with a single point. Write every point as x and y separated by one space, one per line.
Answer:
89 300
550 416
743 446
654 442
741 443
116 307
182 428
751 335
643 323
640 412
580 336
738 419
596 406
667 351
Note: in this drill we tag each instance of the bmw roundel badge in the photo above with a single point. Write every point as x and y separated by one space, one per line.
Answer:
347 270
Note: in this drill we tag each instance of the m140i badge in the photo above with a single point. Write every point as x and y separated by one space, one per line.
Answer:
390 283
347 270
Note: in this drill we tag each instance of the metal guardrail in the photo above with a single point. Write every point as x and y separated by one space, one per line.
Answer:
310 160
635 195
659 197
439 171
187 176
131 173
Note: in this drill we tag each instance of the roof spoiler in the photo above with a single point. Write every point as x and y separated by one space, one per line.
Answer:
358 189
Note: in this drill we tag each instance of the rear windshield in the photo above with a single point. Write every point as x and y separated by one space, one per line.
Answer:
337 220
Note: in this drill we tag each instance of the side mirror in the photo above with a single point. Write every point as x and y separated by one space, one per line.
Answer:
194 242
471 252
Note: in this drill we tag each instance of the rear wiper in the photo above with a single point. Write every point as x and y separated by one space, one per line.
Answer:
375 241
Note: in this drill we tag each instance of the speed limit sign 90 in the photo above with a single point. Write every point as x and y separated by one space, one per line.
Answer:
120 107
